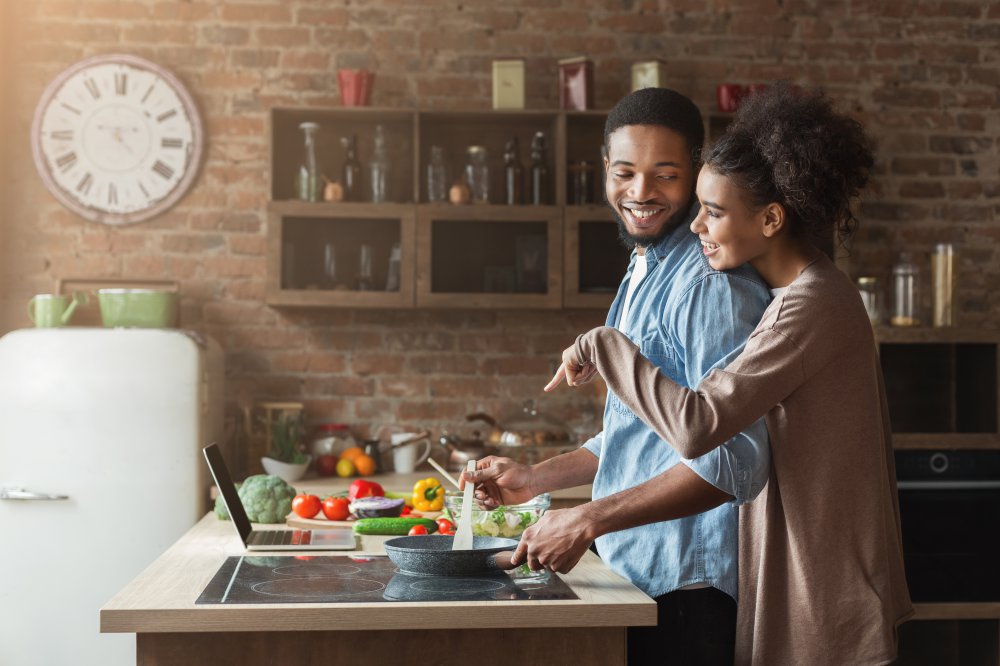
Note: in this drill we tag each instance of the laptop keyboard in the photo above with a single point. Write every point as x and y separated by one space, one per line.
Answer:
280 537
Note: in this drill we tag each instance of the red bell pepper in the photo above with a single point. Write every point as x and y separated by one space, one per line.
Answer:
362 488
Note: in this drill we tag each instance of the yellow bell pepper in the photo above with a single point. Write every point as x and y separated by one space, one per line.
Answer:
428 495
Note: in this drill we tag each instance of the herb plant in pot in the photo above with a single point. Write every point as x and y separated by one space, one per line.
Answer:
285 460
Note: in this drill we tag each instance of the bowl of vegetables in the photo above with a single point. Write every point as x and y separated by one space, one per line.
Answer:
504 521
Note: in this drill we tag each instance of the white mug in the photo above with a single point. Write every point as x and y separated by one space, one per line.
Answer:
405 458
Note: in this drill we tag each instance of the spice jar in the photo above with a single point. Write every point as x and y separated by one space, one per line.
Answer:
869 290
905 289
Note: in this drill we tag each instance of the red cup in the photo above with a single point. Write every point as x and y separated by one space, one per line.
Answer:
355 86
728 96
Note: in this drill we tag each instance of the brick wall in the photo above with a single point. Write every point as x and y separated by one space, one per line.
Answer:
923 76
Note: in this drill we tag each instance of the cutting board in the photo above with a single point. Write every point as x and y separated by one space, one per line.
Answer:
293 520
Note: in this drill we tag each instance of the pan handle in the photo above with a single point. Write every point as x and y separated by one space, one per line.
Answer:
501 560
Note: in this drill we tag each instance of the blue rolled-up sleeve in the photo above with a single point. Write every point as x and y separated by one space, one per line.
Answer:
594 444
711 324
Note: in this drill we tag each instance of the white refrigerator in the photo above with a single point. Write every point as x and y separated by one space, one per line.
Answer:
100 471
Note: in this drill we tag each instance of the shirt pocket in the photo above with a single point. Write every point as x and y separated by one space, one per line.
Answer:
660 354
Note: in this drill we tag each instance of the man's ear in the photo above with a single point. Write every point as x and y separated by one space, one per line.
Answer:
773 219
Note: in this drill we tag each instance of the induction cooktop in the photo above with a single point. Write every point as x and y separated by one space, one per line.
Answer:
339 579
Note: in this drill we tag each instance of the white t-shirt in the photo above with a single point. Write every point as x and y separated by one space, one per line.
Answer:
638 272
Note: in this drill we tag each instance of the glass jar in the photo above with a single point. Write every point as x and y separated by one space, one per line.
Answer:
329 266
477 174
364 279
331 439
905 289
869 290
943 274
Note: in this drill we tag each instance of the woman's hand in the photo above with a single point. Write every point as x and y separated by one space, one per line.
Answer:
573 370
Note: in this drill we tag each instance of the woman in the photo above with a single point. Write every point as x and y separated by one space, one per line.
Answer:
821 568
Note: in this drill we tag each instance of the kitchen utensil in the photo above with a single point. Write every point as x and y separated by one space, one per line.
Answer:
138 308
432 554
444 473
463 535
405 458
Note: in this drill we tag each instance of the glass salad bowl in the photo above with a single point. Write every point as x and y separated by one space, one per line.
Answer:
505 521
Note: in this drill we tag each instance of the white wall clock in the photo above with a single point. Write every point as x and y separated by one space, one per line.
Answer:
117 139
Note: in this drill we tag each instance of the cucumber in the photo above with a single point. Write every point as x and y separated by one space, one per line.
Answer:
392 526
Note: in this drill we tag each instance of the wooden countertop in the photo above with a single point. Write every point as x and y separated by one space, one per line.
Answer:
161 599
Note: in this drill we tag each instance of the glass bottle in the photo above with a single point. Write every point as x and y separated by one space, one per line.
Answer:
868 288
379 168
329 266
943 274
392 275
307 180
437 176
364 281
905 281
477 174
580 182
539 170
351 170
513 174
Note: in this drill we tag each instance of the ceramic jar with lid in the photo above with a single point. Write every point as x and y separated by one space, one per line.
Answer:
331 439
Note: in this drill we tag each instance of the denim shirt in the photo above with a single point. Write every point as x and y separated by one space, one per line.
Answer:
687 319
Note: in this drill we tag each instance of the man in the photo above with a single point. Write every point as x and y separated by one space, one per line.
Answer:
686 318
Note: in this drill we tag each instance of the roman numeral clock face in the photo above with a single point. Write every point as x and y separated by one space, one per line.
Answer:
117 139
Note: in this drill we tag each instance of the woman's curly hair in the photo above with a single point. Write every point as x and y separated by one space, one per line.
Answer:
791 147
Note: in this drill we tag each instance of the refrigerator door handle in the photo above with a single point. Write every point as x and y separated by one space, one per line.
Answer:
22 494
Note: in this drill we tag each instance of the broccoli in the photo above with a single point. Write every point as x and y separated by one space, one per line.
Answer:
221 512
266 498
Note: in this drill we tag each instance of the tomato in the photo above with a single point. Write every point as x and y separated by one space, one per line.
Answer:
336 508
406 511
326 465
306 506
417 529
445 525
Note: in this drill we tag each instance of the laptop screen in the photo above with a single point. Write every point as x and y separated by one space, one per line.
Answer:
228 489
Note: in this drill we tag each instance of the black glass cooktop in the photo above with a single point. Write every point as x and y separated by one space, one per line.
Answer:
344 579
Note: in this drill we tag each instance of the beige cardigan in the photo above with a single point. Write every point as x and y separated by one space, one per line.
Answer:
821 566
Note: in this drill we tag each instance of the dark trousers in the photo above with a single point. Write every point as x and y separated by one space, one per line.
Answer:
693 628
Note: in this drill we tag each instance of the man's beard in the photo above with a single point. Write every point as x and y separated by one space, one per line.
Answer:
630 240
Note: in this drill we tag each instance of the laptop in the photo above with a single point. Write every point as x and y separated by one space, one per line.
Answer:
341 538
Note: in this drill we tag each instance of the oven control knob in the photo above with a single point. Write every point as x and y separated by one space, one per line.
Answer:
939 463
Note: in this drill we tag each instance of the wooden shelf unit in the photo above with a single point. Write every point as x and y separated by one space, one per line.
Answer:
942 385
435 270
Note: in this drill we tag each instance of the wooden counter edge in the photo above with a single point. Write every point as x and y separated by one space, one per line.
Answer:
161 599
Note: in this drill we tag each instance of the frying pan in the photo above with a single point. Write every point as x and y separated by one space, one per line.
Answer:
431 555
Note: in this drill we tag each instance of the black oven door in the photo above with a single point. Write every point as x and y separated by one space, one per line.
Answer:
951 539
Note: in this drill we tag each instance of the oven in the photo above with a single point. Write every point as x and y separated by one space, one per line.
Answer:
949 505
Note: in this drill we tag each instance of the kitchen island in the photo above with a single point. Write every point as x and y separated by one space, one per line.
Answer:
159 607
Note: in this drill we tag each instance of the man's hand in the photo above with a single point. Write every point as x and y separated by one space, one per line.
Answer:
573 369
556 542
500 481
